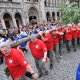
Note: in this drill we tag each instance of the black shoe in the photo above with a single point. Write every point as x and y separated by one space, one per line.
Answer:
51 67
41 75
74 50
69 51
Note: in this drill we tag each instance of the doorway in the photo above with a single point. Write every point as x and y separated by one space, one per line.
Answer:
7 24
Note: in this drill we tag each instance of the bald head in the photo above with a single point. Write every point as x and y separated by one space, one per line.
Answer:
46 32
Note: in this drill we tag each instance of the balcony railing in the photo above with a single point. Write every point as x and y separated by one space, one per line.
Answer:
4 4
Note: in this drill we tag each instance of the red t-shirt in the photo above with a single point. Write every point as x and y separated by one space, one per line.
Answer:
48 42
78 34
74 33
37 49
61 36
68 35
55 38
16 63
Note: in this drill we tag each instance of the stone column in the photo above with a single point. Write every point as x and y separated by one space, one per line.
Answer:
3 23
5 0
55 16
24 19
51 3
47 2
51 16
14 21
16 0
42 11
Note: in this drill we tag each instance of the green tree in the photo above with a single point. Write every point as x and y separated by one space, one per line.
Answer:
70 13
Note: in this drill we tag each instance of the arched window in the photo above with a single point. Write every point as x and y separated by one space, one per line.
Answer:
53 16
10 0
48 16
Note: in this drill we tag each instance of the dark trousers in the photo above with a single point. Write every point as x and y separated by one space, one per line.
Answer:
68 45
60 46
74 43
50 56
78 41
56 50
40 65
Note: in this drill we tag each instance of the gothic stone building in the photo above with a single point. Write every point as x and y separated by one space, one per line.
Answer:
14 13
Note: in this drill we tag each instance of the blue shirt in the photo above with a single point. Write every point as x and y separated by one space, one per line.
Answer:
3 40
20 37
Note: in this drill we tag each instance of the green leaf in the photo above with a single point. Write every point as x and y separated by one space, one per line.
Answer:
6 72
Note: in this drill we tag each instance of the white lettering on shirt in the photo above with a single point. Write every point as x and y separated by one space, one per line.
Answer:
10 61
36 46
24 62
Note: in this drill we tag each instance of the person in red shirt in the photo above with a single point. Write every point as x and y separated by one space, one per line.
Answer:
78 34
16 63
74 36
55 35
60 40
68 37
47 39
39 52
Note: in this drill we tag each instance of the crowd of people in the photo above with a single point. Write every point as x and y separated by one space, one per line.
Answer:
42 47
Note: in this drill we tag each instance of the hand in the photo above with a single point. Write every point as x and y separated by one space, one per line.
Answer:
44 60
19 47
57 32
35 76
8 40
67 30
40 33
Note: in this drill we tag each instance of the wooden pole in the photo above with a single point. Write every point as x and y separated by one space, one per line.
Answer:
18 42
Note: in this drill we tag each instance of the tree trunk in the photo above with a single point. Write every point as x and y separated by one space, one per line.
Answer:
18 42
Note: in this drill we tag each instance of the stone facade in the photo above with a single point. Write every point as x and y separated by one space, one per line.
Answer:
14 13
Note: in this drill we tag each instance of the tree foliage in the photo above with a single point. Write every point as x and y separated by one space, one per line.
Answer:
70 13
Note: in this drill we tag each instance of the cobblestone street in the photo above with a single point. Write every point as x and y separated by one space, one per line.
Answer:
65 70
